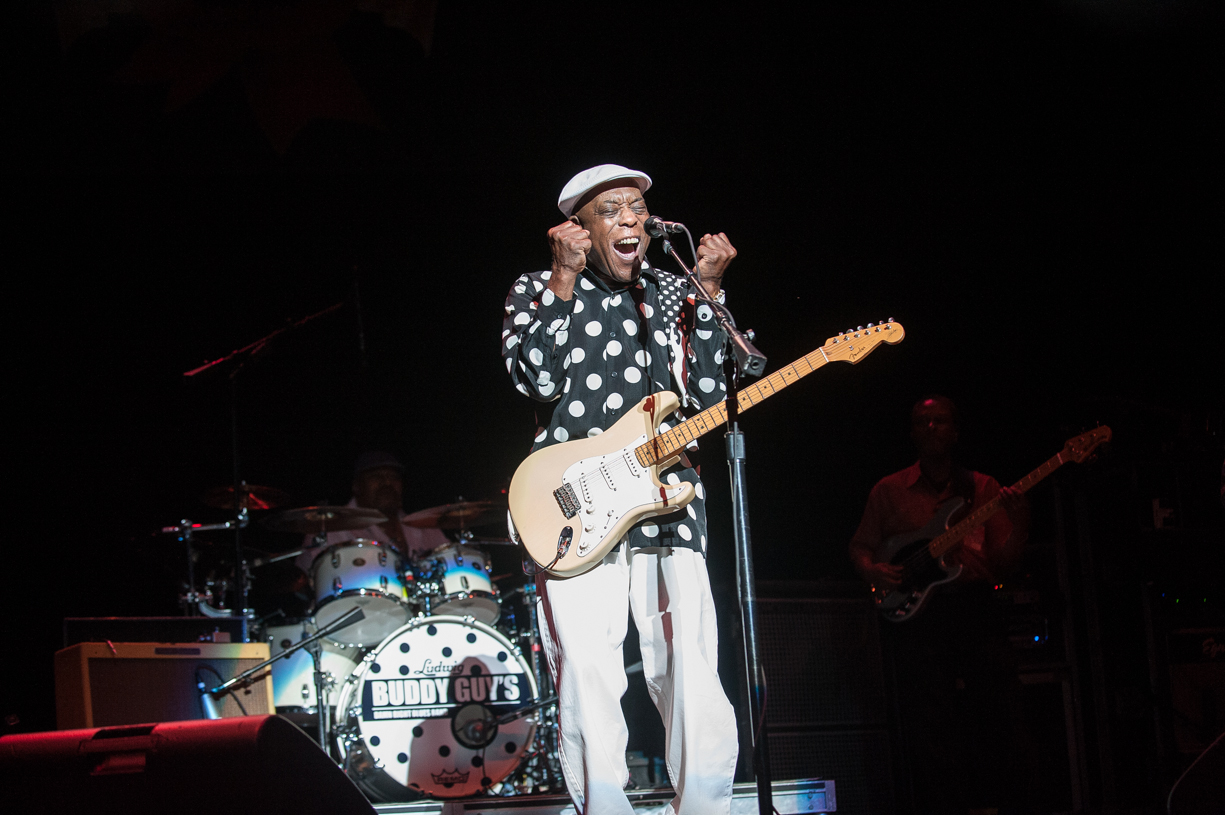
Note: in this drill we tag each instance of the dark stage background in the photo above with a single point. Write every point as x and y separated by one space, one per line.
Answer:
1032 190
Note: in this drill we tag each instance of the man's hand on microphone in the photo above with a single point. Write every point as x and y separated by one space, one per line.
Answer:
570 244
715 252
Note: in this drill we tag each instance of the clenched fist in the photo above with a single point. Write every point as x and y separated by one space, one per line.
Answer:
715 252
570 244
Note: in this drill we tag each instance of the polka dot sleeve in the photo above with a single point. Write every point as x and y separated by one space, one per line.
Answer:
704 343
535 332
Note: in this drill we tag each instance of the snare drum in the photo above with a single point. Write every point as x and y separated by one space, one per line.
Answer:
293 678
456 580
416 717
361 574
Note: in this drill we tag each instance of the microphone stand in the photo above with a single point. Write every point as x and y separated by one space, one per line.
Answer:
242 573
748 362
314 641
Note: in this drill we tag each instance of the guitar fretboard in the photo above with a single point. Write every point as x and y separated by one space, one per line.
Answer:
670 442
850 346
941 545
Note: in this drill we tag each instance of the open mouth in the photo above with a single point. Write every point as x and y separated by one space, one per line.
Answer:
627 248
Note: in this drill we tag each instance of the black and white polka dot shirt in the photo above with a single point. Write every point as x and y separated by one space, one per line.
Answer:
590 359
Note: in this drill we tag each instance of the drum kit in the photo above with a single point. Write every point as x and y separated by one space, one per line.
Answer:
433 684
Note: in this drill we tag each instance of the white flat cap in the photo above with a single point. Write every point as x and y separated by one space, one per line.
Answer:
587 180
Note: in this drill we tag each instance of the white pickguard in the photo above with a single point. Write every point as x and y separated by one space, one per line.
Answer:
609 487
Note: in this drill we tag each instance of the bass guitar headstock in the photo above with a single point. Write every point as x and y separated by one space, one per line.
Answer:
853 345
1081 447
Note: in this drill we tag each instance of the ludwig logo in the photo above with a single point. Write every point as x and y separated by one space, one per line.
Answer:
452 777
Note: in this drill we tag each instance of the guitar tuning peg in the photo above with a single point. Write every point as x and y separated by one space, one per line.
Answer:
871 324
860 328
890 319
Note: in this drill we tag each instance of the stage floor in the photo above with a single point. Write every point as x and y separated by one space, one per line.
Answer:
789 797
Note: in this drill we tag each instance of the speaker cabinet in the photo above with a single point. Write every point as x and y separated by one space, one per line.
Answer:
826 709
101 684
251 764
1197 686
823 663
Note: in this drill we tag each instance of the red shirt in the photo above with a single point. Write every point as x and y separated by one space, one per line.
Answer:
906 501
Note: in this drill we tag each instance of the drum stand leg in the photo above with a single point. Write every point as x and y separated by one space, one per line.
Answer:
321 700
544 767
543 681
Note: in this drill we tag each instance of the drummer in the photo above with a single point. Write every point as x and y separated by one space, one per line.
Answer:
378 483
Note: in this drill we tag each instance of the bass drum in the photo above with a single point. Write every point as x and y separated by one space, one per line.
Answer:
418 715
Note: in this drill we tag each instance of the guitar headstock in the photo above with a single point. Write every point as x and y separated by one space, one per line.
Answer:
1081 447
853 345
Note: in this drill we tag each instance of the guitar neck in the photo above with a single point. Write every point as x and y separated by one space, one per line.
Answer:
941 545
669 443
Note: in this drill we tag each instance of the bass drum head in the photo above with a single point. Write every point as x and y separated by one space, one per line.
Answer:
413 719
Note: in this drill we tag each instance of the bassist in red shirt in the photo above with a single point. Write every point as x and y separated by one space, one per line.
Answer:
958 693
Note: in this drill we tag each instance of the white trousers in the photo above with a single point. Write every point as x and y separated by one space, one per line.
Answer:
583 623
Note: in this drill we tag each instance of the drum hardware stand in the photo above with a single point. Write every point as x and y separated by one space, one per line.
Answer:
540 770
243 355
427 584
748 362
353 615
546 758
528 590
193 601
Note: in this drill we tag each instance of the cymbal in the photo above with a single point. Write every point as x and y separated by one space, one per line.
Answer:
254 497
309 520
462 515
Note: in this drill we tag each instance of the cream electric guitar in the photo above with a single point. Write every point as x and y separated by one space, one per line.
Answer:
571 503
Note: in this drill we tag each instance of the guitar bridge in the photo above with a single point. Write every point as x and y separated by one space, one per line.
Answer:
567 500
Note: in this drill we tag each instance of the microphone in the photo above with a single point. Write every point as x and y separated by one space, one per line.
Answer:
657 227
208 702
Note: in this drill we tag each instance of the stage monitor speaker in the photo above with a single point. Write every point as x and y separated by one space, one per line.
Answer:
102 684
255 764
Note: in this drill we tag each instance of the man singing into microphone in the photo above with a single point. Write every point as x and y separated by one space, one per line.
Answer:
588 339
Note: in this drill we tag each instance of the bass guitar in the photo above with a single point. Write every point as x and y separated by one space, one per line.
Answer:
571 503
921 553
